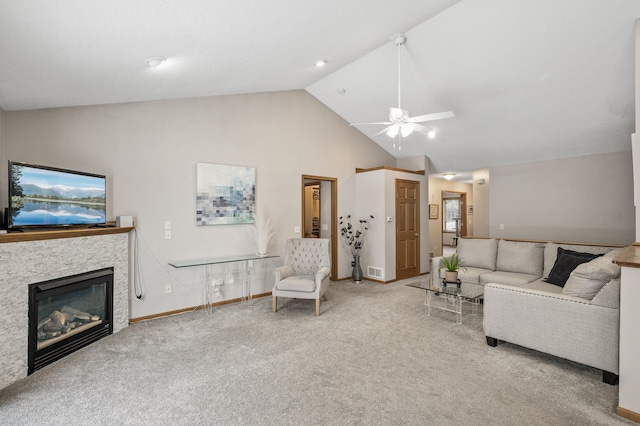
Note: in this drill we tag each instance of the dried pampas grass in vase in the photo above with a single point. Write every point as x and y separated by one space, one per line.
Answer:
263 231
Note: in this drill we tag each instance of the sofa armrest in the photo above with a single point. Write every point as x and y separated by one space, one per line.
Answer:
283 272
609 295
560 325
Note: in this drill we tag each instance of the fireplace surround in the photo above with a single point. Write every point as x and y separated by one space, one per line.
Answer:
36 257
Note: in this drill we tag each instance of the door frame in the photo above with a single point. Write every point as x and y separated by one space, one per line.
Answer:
463 212
334 218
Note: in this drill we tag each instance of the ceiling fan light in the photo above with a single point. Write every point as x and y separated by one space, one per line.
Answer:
407 129
393 131
155 61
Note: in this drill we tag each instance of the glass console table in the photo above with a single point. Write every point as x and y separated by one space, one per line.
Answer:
450 296
212 281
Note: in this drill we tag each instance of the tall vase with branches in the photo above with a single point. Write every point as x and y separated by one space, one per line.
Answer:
354 236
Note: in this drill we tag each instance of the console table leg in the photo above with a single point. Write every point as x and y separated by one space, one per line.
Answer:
458 309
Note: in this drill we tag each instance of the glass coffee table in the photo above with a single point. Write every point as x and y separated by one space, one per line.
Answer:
450 297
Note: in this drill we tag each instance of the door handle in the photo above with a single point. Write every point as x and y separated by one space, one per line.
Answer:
417 235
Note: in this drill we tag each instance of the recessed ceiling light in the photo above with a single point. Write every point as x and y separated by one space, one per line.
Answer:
155 61
448 176
341 90
321 63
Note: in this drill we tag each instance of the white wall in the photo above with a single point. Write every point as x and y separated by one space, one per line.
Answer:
370 201
481 202
149 151
582 199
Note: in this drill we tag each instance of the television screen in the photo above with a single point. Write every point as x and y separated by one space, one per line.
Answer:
47 196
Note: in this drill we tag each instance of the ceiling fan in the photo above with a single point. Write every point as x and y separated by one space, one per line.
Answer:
400 123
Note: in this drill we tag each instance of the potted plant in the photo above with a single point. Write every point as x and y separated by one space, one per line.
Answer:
451 265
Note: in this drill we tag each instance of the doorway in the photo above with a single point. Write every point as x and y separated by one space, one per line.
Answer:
407 228
454 217
320 213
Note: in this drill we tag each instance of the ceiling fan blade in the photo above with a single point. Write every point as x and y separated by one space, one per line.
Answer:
384 130
379 122
431 117
422 129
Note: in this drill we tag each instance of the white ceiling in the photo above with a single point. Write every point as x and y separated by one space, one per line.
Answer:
527 80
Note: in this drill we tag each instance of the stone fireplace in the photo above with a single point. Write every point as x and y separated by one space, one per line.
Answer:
41 257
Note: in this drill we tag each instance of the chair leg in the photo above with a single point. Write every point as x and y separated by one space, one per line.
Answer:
317 307
275 304
324 296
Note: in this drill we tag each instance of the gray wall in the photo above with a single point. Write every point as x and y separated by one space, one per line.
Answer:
149 151
582 199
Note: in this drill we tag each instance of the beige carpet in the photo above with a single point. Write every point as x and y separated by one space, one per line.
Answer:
371 358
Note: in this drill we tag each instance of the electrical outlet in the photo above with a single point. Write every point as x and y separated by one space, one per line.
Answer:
167 288
502 226
167 235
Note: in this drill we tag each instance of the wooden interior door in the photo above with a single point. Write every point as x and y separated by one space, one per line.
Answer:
407 228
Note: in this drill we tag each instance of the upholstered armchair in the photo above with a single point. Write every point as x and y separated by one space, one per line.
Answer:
305 274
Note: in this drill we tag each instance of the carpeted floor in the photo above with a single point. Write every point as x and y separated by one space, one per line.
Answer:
371 358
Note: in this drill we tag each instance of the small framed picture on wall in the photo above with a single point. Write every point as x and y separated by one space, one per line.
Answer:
433 211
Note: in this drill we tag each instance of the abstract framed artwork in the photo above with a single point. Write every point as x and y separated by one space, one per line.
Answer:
225 195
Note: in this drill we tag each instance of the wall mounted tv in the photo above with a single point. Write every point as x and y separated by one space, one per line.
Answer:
41 196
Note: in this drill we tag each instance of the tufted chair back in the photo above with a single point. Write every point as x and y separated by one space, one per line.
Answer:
307 255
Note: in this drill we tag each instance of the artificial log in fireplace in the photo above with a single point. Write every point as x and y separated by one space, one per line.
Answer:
67 314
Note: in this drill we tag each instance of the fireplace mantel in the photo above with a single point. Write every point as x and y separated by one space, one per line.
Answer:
18 237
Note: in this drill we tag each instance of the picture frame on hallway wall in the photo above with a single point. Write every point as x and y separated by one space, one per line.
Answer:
433 211
225 195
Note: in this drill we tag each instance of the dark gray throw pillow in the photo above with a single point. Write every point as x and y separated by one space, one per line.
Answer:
566 262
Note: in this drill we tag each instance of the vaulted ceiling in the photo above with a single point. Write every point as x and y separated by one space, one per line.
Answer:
527 80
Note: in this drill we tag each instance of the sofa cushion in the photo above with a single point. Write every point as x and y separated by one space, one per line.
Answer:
566 262
478 253
551 253
510 278
588 278
521 257
298 283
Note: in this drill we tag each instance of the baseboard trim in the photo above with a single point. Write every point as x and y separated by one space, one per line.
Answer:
628 414
193 308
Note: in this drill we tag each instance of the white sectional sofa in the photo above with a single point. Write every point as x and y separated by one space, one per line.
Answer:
578 322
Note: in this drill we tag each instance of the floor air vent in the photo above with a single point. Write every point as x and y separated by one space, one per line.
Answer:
374 272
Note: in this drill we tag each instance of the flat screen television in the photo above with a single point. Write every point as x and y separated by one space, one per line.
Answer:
41 196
